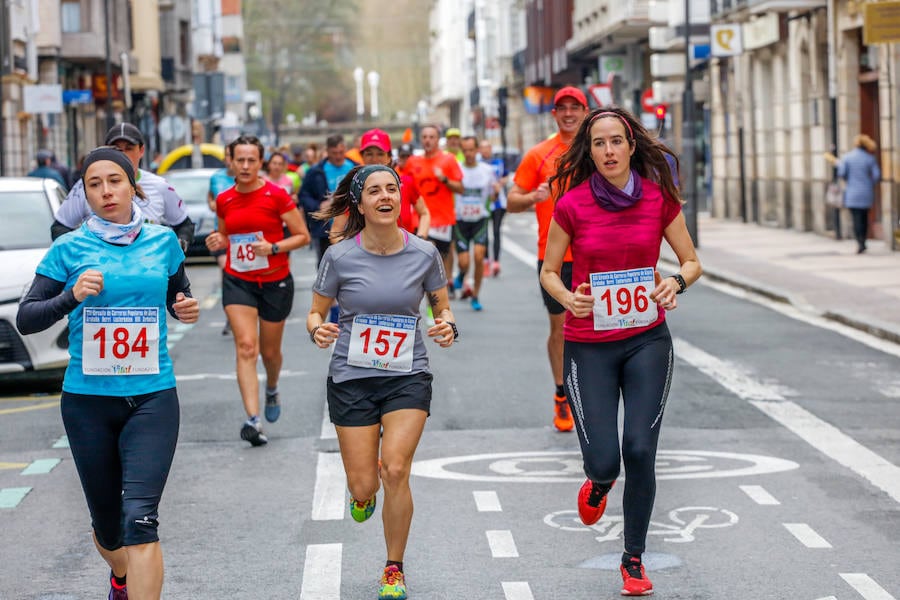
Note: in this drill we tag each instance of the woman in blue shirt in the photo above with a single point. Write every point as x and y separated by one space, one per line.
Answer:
859 168
115 277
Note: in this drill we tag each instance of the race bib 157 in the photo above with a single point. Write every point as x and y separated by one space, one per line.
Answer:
382 342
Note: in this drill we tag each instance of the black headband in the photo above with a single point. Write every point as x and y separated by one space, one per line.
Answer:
359 180
113 154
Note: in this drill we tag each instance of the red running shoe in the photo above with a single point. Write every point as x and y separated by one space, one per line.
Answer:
592 501
634 580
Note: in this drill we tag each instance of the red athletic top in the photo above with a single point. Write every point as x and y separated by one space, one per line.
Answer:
260 210
603 241
409 194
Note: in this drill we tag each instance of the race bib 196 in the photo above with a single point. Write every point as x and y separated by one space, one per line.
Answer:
120 341
622 299
382 342
243 258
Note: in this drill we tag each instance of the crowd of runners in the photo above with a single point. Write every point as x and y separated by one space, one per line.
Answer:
402 237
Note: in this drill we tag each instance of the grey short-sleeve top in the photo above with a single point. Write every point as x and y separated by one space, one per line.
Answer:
365 283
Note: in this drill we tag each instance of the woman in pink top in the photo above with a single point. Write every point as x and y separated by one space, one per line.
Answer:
621 202
276 172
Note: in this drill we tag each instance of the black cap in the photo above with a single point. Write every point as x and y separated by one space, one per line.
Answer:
43 156
124 131
405 150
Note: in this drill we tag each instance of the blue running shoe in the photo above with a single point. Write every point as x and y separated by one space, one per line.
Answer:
458 282
273 407
361 511
476 305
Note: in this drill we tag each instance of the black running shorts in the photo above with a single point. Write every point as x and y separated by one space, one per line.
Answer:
362 402
565 273
273 299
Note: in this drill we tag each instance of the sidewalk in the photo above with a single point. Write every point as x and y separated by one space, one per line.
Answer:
814 273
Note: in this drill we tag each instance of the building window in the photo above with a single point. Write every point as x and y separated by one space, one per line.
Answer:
71 16
184 39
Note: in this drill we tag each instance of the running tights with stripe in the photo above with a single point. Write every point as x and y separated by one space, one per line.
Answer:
123 448
640 368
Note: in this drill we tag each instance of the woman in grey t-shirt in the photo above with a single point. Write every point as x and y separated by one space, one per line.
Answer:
378 379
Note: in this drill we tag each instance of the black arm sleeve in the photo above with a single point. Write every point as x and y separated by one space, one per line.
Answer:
58 229
185 233
44 304
177 283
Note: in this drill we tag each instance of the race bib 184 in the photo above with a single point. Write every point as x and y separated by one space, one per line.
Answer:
622 299
120 341
382 342
240 250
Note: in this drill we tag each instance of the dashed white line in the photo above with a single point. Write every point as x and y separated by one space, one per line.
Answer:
322 572
487 501
866 586
502 543
329 494
807 535
517 590
759 495
729 375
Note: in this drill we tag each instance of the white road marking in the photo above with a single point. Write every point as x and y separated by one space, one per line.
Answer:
835 444
487 501
520 253
759 495
807 535
41 466
328 431
517 590
10 497
866 586
502 543
232 376
322 572
822 436
329 493
62 442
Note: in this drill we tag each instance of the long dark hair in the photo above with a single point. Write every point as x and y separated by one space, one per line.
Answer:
342 203
649 159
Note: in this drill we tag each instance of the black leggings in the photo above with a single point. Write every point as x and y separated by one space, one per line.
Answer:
639 367
123 449
860 225
497 220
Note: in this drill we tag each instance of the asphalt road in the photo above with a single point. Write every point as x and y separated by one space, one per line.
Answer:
778 468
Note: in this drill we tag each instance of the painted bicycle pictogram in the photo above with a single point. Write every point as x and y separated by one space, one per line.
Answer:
681 528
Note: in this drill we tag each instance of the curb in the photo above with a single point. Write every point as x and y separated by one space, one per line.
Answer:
867 325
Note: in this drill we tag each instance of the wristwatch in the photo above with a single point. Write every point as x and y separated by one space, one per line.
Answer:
274 248
680 281
455 330
444 179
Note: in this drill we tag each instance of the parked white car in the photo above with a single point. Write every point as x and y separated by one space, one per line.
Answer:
27 206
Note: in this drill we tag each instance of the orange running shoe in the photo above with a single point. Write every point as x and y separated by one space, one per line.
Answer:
562 416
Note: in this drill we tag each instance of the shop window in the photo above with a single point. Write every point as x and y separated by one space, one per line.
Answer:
71 16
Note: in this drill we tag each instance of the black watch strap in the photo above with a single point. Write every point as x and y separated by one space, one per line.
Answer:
681 283
455 330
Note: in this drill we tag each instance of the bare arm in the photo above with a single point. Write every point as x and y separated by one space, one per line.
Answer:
424 217
321 333
580 303
519 200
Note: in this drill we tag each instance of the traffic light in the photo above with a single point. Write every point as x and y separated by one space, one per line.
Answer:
661 114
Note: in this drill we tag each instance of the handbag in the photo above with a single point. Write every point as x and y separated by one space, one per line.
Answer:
834 194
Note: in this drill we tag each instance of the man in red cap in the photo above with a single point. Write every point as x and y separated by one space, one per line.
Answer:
530 188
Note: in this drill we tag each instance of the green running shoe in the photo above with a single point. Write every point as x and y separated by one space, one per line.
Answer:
361 511
393 586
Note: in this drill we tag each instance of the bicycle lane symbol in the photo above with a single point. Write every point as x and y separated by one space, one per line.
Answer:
684 523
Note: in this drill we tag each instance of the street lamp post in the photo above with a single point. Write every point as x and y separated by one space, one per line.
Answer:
689 182
110 121
358 76
374 78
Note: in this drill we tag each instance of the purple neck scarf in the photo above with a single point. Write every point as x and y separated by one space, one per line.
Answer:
611 198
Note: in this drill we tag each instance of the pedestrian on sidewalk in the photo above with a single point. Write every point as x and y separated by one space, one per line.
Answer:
379 382
115 277
621 203
859 168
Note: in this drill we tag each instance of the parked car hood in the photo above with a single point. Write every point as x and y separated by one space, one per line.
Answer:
17 270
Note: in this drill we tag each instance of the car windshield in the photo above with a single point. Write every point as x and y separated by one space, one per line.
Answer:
25 219
193 188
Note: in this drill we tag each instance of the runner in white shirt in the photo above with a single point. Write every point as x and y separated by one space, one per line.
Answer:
162 206
473 217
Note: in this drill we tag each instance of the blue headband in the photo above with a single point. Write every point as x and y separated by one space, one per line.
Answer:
359 180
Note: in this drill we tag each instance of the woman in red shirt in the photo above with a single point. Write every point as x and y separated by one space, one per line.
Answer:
257 287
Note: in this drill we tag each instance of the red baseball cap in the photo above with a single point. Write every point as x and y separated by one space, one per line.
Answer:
570 92
375 137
